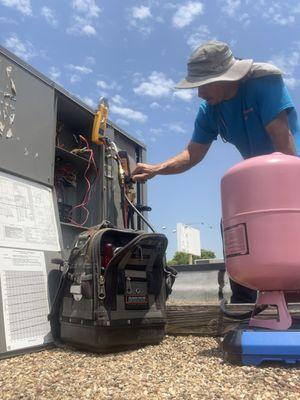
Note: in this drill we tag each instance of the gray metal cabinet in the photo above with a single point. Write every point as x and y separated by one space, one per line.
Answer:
40 127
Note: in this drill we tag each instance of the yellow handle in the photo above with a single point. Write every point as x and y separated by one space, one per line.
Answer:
99 125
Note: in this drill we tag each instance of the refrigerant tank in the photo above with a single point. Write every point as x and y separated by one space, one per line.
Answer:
261 222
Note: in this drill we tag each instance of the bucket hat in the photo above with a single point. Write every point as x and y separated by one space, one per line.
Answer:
213 62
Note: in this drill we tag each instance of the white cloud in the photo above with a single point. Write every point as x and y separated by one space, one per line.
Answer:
231 7
183 94
291 82
102 84
175 127
117 99
288 62
128 113
156 131
107 86
24 6
90 102
75 78
187 13
88 30
81 69
235 9
139 18
24 50
103 94
81 27
172 127
122 122
274 12
54 73
141 12
137 78
280 20
49 15
154 105
8 21
201 36
90 60
157 85
87 7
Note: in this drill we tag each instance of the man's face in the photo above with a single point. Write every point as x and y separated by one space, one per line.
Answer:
213 93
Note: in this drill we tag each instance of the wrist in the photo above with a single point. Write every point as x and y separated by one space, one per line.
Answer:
157 168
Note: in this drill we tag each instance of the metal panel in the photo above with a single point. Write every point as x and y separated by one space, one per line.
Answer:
201 284
27 123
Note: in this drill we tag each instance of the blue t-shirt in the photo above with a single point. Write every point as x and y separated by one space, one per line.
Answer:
242 119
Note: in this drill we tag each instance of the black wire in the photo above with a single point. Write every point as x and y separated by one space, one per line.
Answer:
241 316
117 158
139 214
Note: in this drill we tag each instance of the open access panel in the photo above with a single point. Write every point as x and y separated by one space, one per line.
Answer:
51 189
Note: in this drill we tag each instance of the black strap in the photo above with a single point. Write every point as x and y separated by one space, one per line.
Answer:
57 298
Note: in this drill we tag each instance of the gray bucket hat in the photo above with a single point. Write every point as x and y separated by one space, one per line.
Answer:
213 62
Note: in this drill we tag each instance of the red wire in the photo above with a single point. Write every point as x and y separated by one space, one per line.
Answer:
85 199
90 186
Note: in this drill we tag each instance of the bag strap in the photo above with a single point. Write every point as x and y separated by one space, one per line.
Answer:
62 280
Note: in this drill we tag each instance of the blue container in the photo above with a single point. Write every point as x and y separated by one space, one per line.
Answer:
247 346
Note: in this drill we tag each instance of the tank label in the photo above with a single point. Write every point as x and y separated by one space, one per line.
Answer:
236 240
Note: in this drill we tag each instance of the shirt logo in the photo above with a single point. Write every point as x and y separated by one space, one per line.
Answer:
247 112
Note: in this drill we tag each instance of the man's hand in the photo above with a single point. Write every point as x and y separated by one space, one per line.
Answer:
185 160
143 172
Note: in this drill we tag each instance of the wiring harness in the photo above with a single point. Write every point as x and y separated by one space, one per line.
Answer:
89 185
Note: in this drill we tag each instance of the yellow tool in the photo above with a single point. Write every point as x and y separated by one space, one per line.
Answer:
100 121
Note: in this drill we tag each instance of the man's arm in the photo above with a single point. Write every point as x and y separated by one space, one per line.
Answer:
280 133
183 161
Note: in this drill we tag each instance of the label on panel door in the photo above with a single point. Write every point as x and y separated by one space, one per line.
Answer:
236 240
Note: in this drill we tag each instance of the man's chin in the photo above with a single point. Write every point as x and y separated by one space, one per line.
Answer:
213 102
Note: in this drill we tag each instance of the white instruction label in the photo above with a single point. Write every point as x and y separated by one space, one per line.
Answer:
236 241
24 298
27 217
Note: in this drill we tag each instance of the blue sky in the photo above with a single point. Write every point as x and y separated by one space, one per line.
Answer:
133 52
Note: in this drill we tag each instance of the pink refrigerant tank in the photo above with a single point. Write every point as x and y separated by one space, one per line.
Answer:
261 229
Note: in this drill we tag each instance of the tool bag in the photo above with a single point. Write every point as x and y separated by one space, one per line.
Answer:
112 291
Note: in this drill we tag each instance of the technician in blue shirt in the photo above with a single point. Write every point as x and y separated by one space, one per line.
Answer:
246 103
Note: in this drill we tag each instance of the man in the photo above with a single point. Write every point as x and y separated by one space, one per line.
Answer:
246 103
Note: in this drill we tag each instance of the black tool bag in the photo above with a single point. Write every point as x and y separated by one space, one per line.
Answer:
113 290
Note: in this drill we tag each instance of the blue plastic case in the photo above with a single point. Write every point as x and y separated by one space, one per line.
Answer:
247 346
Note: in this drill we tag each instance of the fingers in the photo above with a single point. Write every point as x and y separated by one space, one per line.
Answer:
142 178
139 168
141 173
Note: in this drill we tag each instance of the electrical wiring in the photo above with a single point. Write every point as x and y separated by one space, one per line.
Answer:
122 184
90 186
113 148
94 165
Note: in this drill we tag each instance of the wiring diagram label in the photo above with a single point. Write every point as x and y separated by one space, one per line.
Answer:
27 217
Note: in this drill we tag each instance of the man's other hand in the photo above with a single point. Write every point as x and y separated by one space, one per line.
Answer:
143 172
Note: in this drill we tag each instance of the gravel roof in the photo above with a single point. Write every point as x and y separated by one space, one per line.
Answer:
181 367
